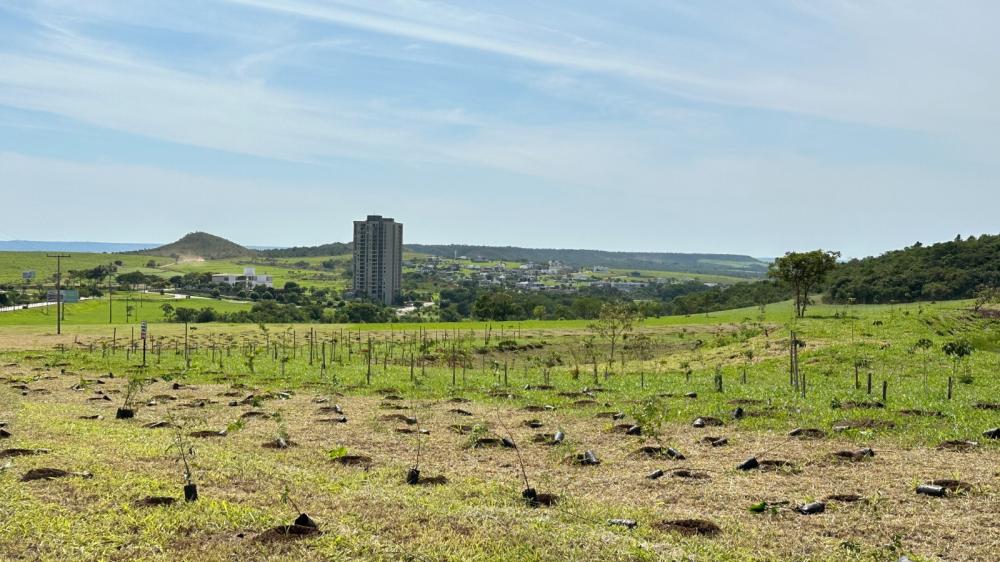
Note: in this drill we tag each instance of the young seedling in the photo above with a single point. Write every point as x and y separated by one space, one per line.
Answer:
132 391
650 415
529 494
281 441
413 474
185 453
301 519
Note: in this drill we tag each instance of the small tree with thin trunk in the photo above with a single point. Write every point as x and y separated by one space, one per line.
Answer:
803 272
616 321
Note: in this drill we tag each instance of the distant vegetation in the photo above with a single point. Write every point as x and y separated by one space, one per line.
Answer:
945 271
331 249
724 264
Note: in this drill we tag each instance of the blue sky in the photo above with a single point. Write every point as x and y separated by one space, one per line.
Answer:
743 127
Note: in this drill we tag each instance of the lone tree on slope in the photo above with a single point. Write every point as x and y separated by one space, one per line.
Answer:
803 271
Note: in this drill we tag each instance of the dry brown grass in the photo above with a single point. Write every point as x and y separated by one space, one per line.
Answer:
374 515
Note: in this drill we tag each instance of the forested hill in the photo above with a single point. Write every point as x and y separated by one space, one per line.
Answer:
723 264
949 270
331 249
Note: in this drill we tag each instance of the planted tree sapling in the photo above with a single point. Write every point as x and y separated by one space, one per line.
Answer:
132 392
651 415
413 474
184 452
301 519
958 350
529 494
281 440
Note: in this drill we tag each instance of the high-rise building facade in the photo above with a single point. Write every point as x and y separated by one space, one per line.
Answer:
378 259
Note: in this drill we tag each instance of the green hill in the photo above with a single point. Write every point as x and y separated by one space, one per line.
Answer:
944 271
201 245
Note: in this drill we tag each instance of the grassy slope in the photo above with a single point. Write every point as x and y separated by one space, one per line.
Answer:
372 515
13 263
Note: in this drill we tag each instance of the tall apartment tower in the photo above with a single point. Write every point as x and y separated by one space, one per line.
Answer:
378 259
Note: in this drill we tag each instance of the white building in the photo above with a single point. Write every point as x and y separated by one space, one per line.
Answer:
249 279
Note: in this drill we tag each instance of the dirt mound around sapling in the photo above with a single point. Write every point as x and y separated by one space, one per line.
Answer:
863 423
958 445
688 527
155 501
287 533
354 460
50 474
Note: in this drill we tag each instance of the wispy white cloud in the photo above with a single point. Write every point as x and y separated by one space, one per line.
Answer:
587 105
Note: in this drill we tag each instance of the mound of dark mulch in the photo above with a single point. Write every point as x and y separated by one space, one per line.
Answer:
688 527
539 387
707 421
860 405
534 408
691 474
922 413
51 474
9 453
354 460
853 456
845 498
534 499
287 532
438 480
399 418
410 431
154 501
207 434
864 423
778 465
484 442
807 433
953 486
957 445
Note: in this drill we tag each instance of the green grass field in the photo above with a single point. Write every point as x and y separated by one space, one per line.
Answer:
12 264
95 311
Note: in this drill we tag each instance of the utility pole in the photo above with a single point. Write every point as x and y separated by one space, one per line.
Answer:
110 269
59 258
